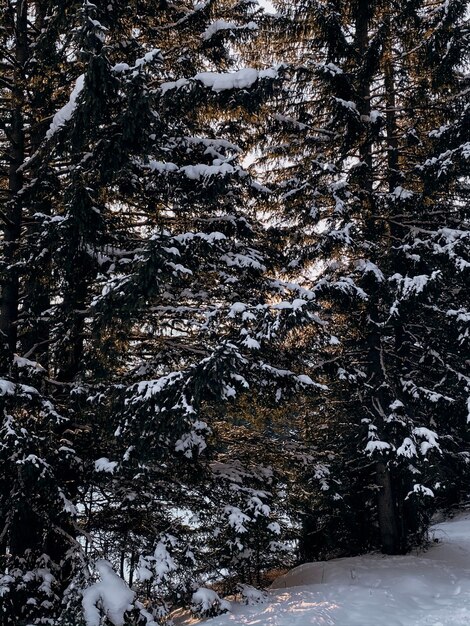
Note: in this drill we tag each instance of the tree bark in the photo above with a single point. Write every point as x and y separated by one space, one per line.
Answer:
389 530
33 327
13 209
386 506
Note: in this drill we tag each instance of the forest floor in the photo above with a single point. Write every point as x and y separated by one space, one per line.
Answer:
430 588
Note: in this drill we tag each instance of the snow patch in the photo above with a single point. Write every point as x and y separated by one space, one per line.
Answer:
7 388
429 589
105 465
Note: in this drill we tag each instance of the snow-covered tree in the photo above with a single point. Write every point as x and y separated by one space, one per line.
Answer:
141 278
369 154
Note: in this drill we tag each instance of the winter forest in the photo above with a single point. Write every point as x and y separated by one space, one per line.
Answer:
234 295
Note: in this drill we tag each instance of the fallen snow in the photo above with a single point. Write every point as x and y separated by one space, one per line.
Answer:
427 589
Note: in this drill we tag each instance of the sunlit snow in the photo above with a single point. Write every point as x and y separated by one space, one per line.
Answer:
427 589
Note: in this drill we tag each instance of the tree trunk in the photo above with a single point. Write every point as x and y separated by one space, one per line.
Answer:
389 530
386 507
33 327
308 544
13 213
26 531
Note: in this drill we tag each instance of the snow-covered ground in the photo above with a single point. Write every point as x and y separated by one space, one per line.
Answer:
427 589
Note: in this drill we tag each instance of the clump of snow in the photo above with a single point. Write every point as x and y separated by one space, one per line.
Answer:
411 285
111 594
237 519
421 490
303 379
223 25
161 166
251 343
7 388
222 81
367 267
346 104
164 563
105 465
330 68
159 565
149 57
407 448
206 603
237 307
200 170
251 596
430 438
21 362
242 79
375 116
64 114
174 84
401 193
376 446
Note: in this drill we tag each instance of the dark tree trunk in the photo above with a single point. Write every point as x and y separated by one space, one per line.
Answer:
386 506
13 212
34 328
25 528
387 513
308 543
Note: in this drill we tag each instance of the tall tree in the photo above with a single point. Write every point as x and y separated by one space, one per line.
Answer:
143 289
354 142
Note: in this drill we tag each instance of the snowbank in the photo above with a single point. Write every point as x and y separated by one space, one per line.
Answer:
428 589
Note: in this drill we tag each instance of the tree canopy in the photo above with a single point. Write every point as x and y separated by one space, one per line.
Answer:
234 295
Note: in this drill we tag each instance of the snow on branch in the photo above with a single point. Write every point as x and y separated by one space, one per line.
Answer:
110 597
65 114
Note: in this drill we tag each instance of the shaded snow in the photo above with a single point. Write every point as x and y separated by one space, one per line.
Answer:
7 388
20 361
105 465
430 589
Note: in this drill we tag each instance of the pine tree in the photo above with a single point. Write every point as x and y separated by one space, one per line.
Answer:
193 294
354 144
36 511
146 291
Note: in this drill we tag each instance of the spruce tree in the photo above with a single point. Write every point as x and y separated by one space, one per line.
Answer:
143 286
38 538
354 145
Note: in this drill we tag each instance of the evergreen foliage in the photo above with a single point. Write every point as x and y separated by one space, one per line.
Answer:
234 295
355 142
